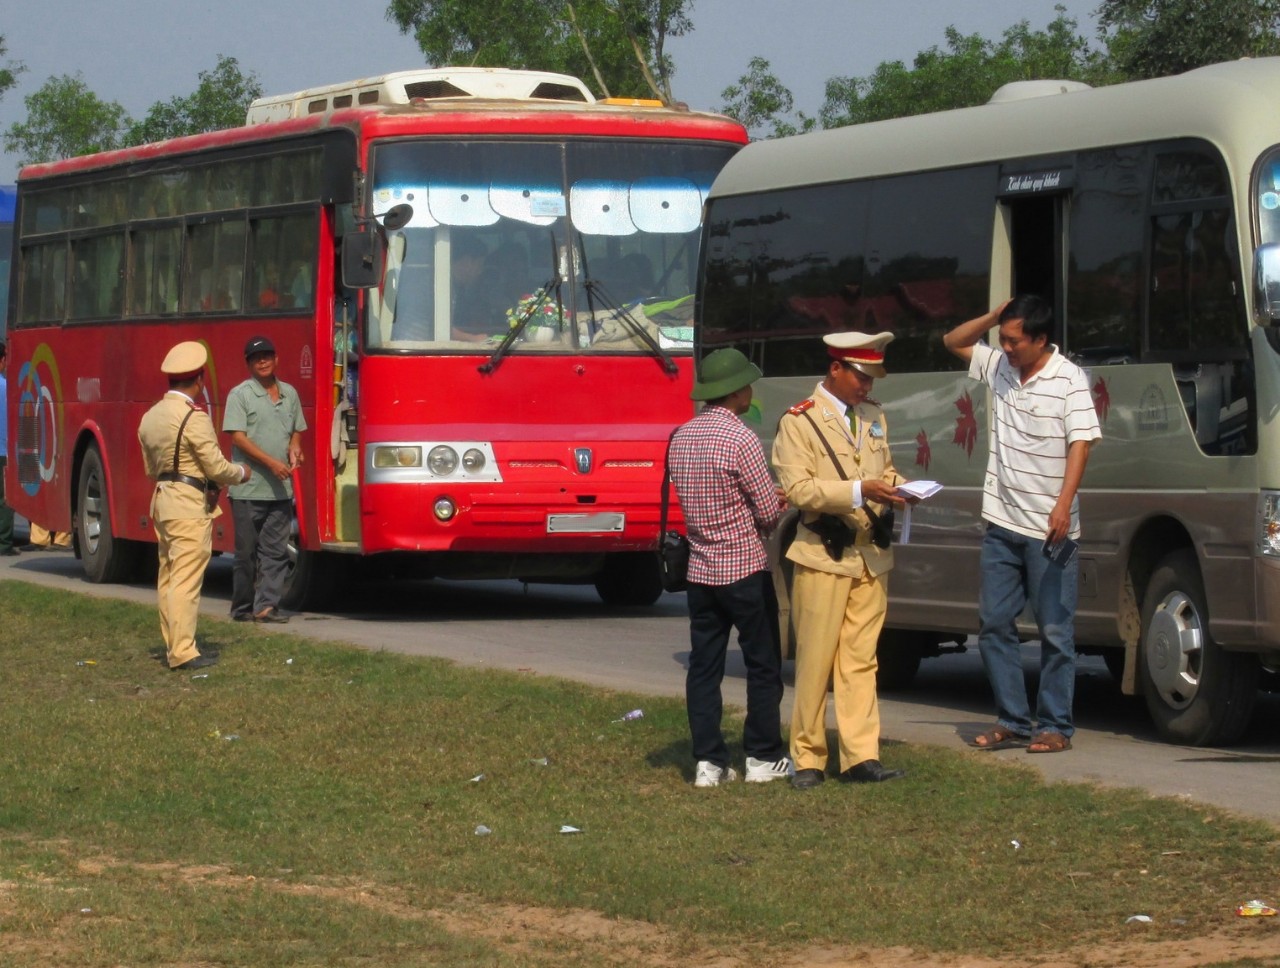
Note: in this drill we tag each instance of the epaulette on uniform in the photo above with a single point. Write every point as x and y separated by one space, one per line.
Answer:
801 407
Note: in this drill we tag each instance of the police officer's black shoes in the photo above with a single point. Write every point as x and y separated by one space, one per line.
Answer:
199 662
869 771
807 779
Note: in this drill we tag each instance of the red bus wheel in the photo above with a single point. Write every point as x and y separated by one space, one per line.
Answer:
105 557
630 580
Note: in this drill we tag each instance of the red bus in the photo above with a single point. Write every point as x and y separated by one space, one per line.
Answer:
479 281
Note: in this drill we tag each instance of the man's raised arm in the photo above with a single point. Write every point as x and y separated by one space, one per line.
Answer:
961 340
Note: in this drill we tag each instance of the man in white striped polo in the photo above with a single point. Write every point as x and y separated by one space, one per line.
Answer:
1044 427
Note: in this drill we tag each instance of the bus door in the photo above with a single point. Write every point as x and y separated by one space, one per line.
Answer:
1036 213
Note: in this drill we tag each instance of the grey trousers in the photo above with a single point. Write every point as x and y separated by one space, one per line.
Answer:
262 555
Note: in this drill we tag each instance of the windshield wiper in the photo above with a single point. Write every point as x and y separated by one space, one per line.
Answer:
518 327
595 289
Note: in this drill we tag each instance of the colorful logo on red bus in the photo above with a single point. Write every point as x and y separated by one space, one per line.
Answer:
40 419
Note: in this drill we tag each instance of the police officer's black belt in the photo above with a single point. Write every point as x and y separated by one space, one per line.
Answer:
196 482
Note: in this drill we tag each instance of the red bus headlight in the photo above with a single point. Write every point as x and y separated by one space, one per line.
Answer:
442 460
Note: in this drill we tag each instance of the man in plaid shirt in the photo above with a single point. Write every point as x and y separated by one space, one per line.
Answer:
730 504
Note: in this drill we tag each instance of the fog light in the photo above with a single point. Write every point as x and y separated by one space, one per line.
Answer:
444 509
473 461
442 460
397 457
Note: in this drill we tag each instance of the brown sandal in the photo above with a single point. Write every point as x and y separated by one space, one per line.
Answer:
997 738
1049 742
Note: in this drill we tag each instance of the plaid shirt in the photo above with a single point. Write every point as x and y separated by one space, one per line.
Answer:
728 498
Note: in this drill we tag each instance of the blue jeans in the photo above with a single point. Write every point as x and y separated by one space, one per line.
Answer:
750 606
1014 572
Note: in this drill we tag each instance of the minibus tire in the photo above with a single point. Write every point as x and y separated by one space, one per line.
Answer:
1197 693
898 655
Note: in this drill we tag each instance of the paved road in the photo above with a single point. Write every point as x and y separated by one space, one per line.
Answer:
565 631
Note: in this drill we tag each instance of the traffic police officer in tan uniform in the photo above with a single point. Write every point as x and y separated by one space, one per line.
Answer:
831 456
180 450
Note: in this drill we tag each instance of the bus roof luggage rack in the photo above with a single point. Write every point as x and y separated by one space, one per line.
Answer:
405 87
1025 90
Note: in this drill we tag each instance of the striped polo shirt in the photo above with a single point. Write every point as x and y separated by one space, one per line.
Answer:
1034 422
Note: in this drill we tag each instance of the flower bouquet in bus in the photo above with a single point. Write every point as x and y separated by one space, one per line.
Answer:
541 315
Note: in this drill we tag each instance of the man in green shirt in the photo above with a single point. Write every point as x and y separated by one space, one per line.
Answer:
264 417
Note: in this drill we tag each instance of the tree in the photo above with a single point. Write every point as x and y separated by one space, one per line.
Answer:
620 44
1154 38
647 24
966 73
9 71
65 118
219 101
759 101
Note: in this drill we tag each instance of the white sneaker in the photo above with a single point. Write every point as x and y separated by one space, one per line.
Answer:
710 775
762 771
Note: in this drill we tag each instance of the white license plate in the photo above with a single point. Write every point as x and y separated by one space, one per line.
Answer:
602 523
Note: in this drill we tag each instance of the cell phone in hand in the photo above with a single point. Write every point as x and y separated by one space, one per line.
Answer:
1061 553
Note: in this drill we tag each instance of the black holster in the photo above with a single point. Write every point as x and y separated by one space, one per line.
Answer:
835 534
881 527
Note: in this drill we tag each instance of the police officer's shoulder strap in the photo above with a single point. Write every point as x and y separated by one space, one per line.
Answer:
831 452
177 444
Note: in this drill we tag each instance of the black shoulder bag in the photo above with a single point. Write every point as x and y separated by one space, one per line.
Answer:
673 547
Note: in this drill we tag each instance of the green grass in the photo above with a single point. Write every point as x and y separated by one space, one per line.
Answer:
337 828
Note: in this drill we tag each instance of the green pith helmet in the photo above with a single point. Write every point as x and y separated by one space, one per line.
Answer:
721 372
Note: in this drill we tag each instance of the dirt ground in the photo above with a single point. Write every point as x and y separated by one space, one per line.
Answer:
642 944
552 937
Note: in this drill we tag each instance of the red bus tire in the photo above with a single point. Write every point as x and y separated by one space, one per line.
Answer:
315 582
104 557
630 580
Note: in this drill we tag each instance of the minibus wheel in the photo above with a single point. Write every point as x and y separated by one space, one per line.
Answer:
898 655
1197 693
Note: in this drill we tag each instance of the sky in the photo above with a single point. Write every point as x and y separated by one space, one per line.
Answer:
137 52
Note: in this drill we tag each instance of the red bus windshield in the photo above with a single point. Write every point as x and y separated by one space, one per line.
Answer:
595 242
